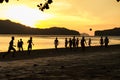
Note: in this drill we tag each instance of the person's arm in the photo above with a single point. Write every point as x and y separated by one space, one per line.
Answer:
32 44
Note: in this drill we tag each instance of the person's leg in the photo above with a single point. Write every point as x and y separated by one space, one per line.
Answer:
29 50
14 50
22 48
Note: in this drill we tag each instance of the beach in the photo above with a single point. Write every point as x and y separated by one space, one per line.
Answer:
95 63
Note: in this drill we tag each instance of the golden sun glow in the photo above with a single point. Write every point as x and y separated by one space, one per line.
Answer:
80 15
26 15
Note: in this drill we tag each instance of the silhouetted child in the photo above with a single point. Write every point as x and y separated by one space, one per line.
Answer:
21 45
66 42
101 41
11 47
83 42
30 43
106 41
89 42
56 42
77 42
70 43
18 45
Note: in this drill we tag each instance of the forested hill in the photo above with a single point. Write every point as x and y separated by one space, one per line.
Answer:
109 32
8 27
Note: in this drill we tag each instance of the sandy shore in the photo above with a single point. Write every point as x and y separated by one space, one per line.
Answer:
95 63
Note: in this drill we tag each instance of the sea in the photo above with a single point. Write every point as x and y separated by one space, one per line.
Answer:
47 41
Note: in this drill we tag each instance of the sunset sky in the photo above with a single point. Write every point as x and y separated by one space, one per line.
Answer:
80 15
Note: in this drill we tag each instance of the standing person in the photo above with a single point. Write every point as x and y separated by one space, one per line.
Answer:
30 43
18 45
89 42
106 41
11 47
74 42
77 42
66 42
101 41
70 43
56 42
21 45
83 42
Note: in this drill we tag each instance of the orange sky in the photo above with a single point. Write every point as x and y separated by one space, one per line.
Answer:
79 15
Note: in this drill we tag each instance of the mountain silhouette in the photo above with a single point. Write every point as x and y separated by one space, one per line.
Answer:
8 27
108 32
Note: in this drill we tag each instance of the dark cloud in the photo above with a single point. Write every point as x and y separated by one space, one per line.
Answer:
7 0
1 1
118 0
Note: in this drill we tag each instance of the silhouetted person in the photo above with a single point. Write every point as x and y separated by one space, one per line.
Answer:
66 42
56 42
77 42
30 43
11 47
106 41
18 45
101 41
89 42
70 43
83 42
21 45
74 42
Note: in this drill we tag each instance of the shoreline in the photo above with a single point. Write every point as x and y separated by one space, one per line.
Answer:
23 55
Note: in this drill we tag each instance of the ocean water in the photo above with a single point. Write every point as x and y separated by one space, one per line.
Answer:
47 42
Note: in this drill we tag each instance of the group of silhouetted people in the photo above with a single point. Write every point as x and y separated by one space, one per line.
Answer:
19 45
71 43
104 41
74 42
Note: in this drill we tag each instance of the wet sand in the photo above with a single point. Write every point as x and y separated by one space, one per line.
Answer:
95 63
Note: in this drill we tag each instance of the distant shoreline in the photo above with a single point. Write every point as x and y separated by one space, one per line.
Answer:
51 35
42 35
